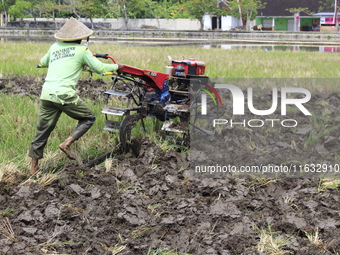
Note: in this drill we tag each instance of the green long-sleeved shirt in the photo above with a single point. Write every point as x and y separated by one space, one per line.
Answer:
65 62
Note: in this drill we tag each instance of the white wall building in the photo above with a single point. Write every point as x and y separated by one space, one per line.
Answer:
224 23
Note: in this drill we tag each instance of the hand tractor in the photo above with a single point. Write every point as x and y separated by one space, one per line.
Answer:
164 96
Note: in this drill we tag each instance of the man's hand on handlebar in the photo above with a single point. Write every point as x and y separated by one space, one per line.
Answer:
120 68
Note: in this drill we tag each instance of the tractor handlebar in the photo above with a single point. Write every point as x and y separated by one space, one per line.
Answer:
98 55
105 56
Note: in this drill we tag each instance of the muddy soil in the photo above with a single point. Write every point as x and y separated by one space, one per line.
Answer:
150 201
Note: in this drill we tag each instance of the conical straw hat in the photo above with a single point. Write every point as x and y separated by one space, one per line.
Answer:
73 30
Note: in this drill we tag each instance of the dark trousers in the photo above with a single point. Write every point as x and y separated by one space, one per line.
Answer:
49 113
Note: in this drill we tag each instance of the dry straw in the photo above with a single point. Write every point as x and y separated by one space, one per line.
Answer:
7 230
48 179
10 173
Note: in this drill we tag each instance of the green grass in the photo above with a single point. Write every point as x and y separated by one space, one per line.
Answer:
20 58
6 213
16 127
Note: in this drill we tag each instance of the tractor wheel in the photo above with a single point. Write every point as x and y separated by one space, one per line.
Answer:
125 129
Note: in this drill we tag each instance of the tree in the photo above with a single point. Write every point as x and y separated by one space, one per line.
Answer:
300 9
326 5
169 9
91 9
113 8
133 9
20 9
45 9
34 11
4 7
249 9
196 9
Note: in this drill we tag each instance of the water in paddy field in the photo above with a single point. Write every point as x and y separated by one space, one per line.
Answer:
205 45
271 47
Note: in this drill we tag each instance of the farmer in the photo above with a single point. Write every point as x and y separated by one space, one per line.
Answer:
65 60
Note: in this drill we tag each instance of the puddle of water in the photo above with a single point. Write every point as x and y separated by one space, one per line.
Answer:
312 48
225 46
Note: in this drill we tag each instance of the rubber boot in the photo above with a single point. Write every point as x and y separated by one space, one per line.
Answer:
65 147
34 166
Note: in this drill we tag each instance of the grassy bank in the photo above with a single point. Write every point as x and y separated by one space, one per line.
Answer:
20 59
18 115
